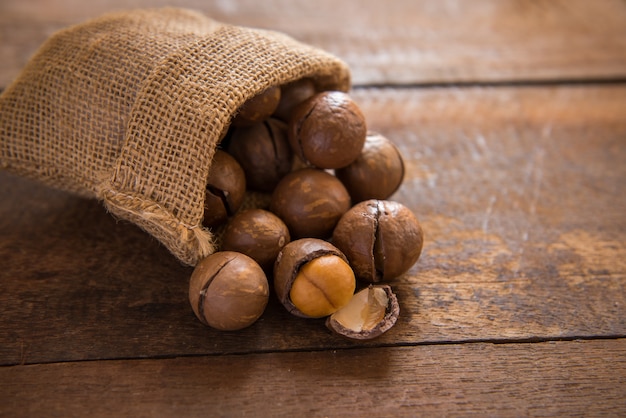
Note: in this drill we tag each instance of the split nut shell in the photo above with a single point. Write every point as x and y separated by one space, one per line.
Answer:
225 189
228 291
382 239
370 313
312 278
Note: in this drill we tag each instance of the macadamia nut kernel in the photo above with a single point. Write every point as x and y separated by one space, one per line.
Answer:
312 278
322 286
370 313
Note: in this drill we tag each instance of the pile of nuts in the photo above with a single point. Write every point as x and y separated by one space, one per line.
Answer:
329 239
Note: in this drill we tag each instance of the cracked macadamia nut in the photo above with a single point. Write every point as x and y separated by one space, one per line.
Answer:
225 190
382 239
376 173
310 201
258 234
312 278
259 107
228 291
327 130
370 313
263 152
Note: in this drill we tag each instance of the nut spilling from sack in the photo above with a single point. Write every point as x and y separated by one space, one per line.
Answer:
328 235
298 152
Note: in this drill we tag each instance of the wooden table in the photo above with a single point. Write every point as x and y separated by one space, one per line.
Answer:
512 118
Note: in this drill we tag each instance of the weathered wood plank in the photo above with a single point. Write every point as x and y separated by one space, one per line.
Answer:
521 192
425 41
547 379
523 205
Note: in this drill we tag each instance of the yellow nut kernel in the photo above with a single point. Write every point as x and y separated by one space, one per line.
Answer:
322 286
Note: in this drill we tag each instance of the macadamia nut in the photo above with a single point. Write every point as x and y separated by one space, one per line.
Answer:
328 130
258 234
259 107
291 95
382 239
312 278
228 291
322 286
376 173
225 190
263 152
310 201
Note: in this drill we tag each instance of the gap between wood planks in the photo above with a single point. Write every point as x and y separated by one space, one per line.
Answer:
497 83
494 341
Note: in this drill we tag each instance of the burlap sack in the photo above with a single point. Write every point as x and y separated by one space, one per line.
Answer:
128 108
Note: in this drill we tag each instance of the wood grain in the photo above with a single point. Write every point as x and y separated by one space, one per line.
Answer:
516 308
425 41
547 379
520 192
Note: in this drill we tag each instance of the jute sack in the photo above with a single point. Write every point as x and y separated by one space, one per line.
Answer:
129 108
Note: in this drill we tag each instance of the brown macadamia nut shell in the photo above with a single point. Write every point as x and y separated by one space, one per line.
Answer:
356 233
225 190
258 234
328 130
381 238
293 256
259 107
228 291
310 201
377 173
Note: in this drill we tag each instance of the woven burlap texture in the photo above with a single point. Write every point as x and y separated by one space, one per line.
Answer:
128 108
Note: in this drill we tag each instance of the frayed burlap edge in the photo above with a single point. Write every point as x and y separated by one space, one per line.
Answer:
192 241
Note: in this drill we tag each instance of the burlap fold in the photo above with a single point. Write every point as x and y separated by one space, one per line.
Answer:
129 108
